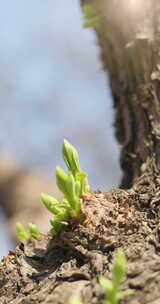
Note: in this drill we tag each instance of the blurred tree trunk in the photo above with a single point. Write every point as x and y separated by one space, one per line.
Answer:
53 269
129 38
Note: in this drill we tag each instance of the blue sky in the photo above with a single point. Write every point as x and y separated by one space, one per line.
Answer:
52 86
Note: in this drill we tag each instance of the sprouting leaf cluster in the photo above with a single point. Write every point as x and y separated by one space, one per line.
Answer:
91 16
26 235
111 288
73 185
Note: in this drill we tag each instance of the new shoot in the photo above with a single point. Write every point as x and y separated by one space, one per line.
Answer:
112 288
25 235
73 185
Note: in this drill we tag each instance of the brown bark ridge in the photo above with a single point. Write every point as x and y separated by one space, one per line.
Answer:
53 269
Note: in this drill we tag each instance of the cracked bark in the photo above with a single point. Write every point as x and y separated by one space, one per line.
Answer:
52 270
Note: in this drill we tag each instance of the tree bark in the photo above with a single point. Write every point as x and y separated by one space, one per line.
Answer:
52 270
129 37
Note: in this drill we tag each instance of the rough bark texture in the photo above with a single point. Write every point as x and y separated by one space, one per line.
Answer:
51 270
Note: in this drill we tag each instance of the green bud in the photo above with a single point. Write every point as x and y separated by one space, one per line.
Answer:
82 178
51 203
72 185
108 287
106 284
67 185
111 288
22 233
61 178
65 204
119 268
71 157
74 199
71 189
34 231
61 217
78 188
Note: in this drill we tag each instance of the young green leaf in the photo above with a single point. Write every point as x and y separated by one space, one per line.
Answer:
34 231
111 288
119 268
51 203
72 184
106 284
71 157
62 179
82 178
22 233
78 188
73 199
92 18
71 189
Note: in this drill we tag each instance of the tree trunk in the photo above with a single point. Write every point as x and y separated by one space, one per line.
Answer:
52 270
129 37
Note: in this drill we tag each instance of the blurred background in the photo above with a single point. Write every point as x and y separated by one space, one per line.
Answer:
52 86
